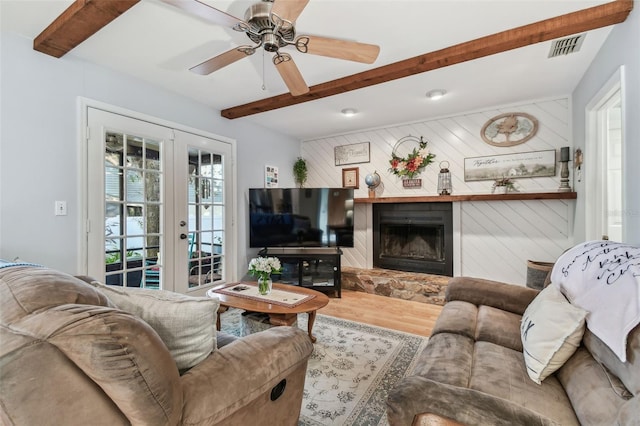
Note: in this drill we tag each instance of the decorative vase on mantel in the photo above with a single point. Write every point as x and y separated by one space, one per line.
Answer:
265 284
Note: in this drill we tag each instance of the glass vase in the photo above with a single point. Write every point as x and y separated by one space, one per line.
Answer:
264 285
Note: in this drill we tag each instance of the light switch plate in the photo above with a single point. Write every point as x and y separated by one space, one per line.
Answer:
61 208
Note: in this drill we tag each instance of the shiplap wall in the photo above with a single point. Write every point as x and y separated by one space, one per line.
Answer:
494 238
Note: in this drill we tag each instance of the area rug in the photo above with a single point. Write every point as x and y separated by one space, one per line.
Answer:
351 370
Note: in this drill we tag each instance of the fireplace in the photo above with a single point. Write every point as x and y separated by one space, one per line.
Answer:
413 237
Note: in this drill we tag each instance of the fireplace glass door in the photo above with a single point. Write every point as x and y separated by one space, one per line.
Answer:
409 241
413 237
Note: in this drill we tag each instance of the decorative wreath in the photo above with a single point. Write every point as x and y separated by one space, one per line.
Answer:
412 164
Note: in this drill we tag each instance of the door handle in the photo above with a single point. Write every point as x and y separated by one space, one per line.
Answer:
183 223
183 236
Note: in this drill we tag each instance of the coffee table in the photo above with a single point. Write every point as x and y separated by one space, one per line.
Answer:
278 314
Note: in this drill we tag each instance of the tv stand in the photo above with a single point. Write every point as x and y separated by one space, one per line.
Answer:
311 267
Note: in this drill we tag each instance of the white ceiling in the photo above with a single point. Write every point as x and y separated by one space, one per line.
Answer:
158 43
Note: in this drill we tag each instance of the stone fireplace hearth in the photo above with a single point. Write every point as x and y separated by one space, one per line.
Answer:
418 287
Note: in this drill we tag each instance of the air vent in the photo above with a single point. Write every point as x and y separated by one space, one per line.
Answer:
566 45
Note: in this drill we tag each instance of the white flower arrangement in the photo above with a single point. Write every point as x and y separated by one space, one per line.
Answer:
263 267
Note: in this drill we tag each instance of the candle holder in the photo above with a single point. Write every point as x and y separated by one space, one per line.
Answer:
564 177
564 170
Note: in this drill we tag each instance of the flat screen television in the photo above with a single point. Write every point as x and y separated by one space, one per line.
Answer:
301 217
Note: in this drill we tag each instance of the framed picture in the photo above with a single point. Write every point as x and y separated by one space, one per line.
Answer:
270 177
351 154
350 178
520 165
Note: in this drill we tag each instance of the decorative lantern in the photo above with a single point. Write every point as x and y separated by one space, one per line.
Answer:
444 179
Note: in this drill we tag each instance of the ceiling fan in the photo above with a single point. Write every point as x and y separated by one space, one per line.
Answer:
270 24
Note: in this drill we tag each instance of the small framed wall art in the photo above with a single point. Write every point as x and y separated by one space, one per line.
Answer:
350 178
270 177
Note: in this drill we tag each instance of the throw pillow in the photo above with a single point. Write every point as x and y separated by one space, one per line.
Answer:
185 324
551 331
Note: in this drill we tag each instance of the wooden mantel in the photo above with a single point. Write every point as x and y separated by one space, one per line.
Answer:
472 197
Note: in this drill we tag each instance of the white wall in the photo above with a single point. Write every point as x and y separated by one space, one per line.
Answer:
39 148
620 48
496 237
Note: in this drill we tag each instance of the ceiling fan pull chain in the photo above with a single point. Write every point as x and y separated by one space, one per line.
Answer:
264 86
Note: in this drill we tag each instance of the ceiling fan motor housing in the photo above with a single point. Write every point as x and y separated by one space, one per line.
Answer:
263 30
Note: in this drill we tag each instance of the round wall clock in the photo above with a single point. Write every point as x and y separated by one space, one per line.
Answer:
512 128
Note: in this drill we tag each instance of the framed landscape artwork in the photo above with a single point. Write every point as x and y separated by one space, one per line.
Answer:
520 165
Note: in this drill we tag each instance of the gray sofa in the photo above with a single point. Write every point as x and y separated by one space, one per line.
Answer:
74 352
473 371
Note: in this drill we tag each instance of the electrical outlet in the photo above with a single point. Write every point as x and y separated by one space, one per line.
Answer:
61 208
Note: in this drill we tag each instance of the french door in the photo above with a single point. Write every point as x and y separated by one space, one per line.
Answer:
159 205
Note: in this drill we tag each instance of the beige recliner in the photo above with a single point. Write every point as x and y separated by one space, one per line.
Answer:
69 356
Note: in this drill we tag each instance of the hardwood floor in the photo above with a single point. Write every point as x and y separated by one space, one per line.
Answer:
388 312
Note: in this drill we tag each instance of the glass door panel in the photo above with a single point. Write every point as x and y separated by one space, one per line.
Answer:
206 221
133 214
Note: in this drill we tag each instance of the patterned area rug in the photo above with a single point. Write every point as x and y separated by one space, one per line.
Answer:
351 370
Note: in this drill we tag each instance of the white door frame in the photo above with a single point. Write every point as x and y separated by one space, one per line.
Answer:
593 215
83 106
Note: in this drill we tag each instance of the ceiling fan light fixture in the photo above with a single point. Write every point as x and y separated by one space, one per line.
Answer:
349 112
436 94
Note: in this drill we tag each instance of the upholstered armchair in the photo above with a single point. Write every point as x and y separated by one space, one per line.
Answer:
78 353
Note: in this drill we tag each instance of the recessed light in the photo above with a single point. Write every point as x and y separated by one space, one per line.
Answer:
349 112
436 94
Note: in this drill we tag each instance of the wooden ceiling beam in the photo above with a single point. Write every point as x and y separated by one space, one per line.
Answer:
548 29
77 23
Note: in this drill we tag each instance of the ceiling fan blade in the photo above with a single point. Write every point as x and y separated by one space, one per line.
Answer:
222 60
207 12
290 74
336 48
288 9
